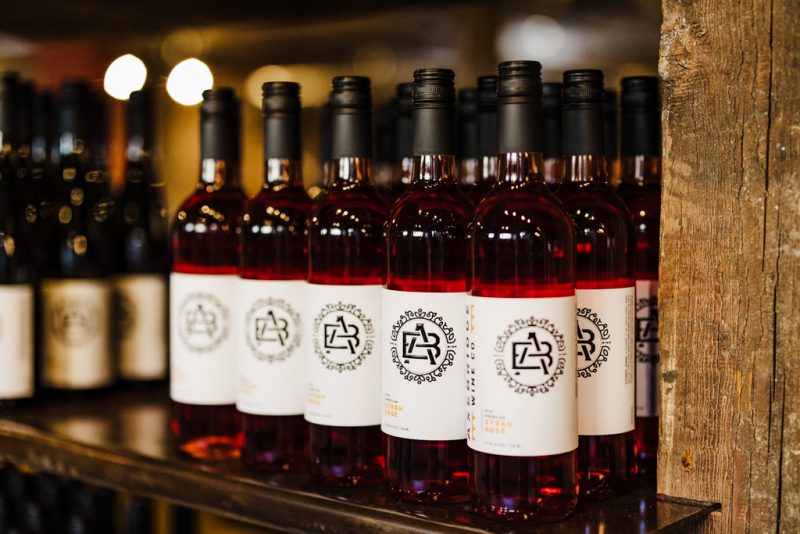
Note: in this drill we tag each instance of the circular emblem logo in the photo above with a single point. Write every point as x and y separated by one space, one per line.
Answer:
530 356
202 322
74 320
423 345
272 329
343 336
594 342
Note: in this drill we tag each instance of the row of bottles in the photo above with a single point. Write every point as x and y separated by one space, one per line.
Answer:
477 338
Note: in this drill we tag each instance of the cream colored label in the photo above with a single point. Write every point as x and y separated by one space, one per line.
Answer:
202 350
141 313
16 341
343 363
77 352
424 365
521 376
648 353
606 388
268 327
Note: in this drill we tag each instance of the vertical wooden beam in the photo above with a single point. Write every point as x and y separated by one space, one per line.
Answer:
730 261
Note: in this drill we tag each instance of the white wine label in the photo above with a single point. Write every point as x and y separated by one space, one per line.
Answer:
343 363
141 318
202 349
521 376
606 387
268 327
648 353
424 365
77 352
16 341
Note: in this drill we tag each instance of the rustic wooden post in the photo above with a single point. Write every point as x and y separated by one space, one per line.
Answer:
730 261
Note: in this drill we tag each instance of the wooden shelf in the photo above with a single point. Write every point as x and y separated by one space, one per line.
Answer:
120 439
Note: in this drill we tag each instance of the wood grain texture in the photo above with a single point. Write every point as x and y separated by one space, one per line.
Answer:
730 261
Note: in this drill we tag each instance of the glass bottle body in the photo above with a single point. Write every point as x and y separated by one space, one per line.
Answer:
347 247
427 252
274 247
641 191
205 241
480 179
522 247
603 260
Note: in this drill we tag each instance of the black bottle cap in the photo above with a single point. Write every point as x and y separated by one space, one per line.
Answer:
434 102
280 103
351 117
219 125
582 112
74 103
487 116
551 119
139 117
466 113
610 122
641 116
519 107
9 101
405 128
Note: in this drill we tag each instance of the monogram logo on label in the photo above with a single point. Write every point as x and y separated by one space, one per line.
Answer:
530 356
423 345
202 322
647 350
74 320
272 329
125 313
343 336
594 341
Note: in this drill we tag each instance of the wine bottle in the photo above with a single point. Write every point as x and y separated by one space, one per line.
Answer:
641 190
17 264
140 284
605 293
205 240
611 136
522 420
270 313
467 137
487 139
76 290
346 268
423 397
551 122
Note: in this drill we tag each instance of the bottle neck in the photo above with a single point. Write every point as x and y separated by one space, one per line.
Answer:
280 173
520 167
405 169
641 170
431 169
349 172
586 168
216 174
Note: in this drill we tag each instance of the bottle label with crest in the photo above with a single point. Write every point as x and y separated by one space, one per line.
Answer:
647 348
202 350
16 341
521 376
141 320
606 387
423 394
77 339
343 358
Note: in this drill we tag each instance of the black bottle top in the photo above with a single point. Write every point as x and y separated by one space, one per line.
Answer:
551 119
610 123
281 106
466 114
385 135
641 116
405 128
351 117
219 125
582 113
74 101
519 107
9 98
25 112
487 116
433 112
139 118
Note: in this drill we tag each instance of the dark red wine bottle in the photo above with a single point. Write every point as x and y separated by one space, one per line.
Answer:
551 122
467 137
205 242
347 259
605 293
641 190
140 285
611 136
423 396
270 310
76 288
522 418
17 264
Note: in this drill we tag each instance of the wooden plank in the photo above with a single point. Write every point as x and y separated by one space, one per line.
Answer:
730 261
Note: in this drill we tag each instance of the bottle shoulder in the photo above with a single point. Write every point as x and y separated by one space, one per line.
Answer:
522 206
593 204
350 207
229 201
434 205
